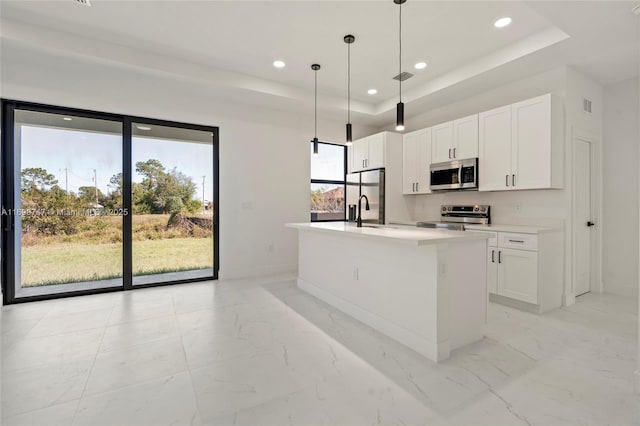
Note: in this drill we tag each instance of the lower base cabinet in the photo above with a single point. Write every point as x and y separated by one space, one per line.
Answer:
525 270
518 275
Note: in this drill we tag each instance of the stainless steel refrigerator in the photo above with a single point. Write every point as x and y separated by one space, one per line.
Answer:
371 184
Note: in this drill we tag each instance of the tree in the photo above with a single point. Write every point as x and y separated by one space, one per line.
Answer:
87 195
161 191
36 178
59 212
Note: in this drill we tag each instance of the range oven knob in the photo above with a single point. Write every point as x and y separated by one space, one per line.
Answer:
449 208
444 209
483 209
476 208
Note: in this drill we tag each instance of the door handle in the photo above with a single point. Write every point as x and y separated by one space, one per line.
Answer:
493 254
413 187
590 224
513 180
506 180
449 153
460 175
454 153
9 222
500 256
417 186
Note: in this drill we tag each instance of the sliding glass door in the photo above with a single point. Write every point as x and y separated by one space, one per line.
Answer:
99 202
172 203
68 223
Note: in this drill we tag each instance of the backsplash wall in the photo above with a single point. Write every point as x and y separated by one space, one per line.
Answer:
542 208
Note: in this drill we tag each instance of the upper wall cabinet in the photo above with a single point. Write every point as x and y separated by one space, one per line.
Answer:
521 146
455 140
416 159
369 152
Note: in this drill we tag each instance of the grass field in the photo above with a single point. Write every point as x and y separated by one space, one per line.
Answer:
68 262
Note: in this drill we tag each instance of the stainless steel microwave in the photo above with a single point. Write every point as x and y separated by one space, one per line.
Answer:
458 174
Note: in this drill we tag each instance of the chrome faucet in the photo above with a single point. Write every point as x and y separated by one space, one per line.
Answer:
366 206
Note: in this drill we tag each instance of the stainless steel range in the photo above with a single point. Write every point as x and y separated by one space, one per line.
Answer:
455 217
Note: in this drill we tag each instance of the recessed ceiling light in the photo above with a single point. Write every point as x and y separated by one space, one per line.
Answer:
67 118
420 65
278 64
502 22
372 91
144 127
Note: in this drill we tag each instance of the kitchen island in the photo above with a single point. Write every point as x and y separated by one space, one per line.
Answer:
425 288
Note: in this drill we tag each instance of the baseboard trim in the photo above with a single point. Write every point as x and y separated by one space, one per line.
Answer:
431 350
279 270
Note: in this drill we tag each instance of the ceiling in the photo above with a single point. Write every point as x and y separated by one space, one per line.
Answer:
232 44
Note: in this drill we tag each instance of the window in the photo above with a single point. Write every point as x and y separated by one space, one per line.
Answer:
328 172
95 202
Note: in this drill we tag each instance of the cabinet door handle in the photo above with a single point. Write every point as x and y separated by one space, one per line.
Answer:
506 180
513 180
449 153
413 187
517 241
500 256
417 186
454 153
493 254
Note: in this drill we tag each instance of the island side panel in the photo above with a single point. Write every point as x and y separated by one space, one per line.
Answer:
388 286
462 293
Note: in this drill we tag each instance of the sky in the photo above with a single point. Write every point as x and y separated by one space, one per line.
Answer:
81 152
328 163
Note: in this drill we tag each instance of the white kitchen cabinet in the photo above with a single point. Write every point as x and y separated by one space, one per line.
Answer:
369 152
525 270
465 137
492 270
518 274
416 160
455 140
442 142
521 146
537 148
494 156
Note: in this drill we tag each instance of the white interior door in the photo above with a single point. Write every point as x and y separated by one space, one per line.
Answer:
583 216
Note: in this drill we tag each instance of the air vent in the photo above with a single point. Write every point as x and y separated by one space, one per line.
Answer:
83 2
403 76
586 105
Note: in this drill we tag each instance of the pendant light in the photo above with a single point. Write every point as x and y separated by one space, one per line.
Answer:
349 39
315 68
400 105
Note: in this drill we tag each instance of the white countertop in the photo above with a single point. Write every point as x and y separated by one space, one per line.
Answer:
411 236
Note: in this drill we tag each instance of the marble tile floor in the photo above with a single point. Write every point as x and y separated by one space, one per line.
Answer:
261 352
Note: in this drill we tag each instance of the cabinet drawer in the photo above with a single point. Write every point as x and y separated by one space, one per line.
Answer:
518 241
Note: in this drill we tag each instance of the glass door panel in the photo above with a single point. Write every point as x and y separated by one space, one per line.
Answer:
172 204
67 215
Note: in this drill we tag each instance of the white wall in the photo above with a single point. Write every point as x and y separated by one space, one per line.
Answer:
621 189
264 153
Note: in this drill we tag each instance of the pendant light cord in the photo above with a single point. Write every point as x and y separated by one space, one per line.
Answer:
400 53
349 83
315 106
